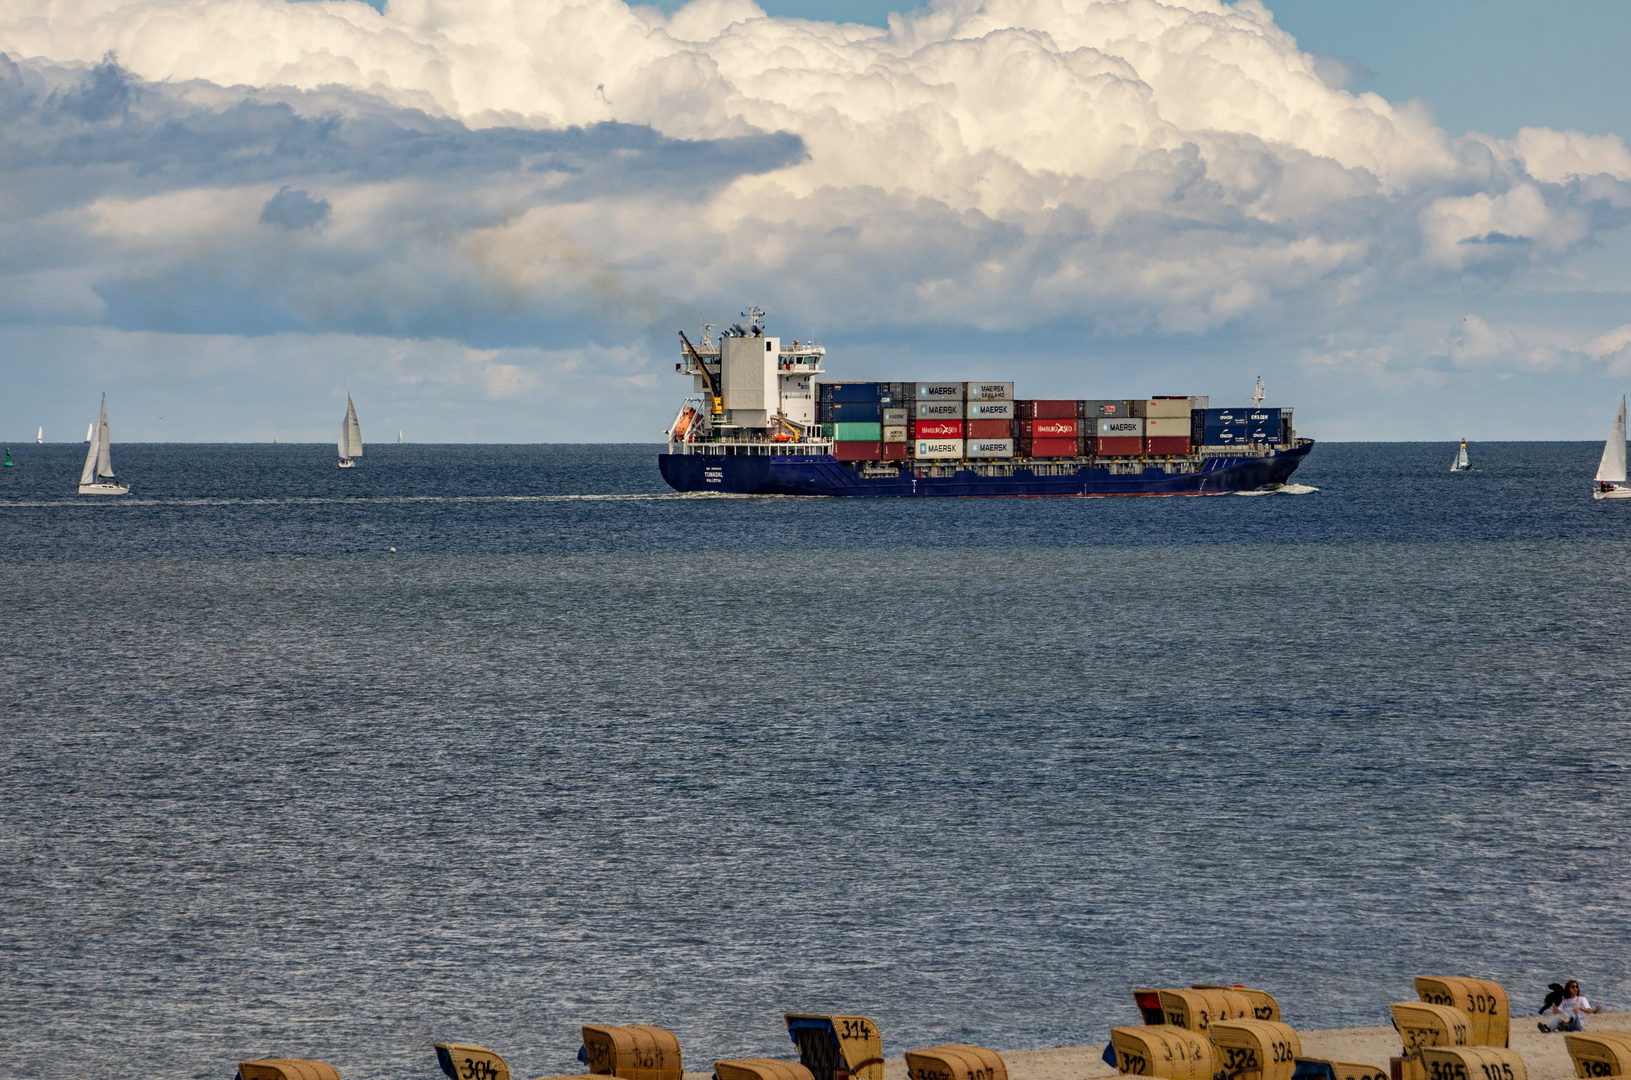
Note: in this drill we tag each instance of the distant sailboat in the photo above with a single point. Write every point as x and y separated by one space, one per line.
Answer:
1611 470
399 436
350 436
39 436
90 430
1460 462
97 477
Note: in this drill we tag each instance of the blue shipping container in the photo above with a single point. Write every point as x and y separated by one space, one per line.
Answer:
855 391
856 412
1234 436
1217 418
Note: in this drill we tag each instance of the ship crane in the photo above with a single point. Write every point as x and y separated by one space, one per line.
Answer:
713 383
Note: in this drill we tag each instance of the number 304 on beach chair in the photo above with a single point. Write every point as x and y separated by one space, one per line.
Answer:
462 1062
837 1047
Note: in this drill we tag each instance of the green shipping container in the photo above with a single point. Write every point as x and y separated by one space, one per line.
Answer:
858 432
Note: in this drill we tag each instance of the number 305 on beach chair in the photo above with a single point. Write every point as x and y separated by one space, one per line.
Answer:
955 1061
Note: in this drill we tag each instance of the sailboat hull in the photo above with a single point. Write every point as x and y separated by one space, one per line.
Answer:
347 464
1613 491
104 489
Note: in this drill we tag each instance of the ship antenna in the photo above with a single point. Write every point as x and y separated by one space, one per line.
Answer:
1257 394
707 328
754 313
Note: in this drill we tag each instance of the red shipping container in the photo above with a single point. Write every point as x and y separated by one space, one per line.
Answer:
1168 445
938 429
1121 446
894 451
1055 410
1025 410
1054 447
990 429
858 451
1048 429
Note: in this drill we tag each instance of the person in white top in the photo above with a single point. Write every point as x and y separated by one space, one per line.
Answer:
1568 1014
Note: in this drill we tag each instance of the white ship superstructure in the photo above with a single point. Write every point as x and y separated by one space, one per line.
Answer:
765 390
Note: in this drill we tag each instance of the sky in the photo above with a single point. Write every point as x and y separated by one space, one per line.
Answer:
486 221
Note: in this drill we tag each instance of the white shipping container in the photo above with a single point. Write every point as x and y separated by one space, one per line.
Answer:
990 410
990 391
939 448
940 391
1115 427
990 448
895 416
940 410
1162 427
894 433
1167 408
1201 401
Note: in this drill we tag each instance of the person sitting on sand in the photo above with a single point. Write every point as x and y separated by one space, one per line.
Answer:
1567 1014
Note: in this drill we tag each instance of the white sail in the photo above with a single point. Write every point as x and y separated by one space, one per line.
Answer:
104 456
88 473
1612 468
90 430
39 436
350 432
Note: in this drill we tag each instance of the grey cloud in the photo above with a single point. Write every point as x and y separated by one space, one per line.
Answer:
291 209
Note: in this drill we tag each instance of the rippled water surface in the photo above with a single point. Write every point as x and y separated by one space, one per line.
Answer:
583 751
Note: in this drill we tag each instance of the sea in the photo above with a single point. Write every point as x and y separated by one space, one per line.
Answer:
485 743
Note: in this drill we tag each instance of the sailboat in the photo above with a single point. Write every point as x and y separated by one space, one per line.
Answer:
97 477
350 436
90 431
1460 463
1611 470
39 436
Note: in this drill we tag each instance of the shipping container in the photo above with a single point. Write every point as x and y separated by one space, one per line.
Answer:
866 412
990 448
1093 408
1120 427
853 391
940 391
1048 429
938 448
989 391
1216 418
1223 436
1054 447
1120 446
1163 427
1055 410
894 433
990 410
895 451
990 429
896 416
1167 408
857 432
939 429
1167 445
1261 417
939 410
857 451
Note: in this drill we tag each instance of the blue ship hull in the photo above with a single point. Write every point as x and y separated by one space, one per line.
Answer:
823 474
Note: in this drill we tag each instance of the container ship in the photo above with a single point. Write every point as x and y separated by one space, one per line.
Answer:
763 423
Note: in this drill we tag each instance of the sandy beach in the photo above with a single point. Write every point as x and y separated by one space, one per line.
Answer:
1545 1055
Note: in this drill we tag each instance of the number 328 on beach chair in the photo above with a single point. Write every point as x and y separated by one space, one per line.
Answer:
1600 1053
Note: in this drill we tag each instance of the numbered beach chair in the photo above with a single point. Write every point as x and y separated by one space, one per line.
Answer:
760 1069
287 1069
837 1047
631 1052
1255 1049
1473 1063
1422 1025
1599 1053
1195 1008
460 1061
955 1061
1161 1050
1484 1002
1264 1007
1326 1069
